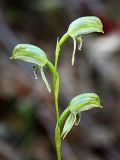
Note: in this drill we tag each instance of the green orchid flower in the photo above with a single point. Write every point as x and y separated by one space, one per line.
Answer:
81 26
32 54
77 105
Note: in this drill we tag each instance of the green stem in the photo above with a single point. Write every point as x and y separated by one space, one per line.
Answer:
63 116
56 92
58 46
51 67
56 75
63 39
56 85
57 131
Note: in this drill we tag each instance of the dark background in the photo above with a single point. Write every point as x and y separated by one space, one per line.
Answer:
27 116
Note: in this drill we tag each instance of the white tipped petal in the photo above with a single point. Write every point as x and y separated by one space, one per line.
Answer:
79 43
68 124
74 49
45 80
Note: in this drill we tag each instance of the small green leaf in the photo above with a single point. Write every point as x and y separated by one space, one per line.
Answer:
68 124
84 102
58 140
56 84
85 25
45 80
30 53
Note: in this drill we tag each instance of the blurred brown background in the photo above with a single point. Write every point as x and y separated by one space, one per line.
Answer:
27 117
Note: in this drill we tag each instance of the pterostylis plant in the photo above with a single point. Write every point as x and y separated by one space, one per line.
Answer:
85 101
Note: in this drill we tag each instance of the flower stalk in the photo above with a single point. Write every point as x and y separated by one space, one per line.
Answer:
36 56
